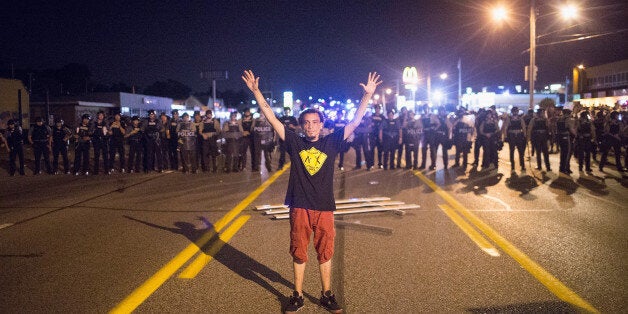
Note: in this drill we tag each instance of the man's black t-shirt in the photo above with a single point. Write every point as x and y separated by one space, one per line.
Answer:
312 170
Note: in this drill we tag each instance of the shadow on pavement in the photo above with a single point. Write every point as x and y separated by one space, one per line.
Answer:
234 259
523 184
594 185
566 184
478 181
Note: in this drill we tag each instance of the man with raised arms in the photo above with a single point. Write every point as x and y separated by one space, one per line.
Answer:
310 194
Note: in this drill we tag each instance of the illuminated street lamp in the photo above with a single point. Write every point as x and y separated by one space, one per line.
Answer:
501 14
443 76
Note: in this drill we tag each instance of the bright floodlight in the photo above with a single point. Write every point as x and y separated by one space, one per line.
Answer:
499 14
388 91
438 95
581 66
443 76
376 96
569 12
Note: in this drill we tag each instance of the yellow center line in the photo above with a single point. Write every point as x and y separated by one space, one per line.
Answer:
544 277
140 294
205 257
473 234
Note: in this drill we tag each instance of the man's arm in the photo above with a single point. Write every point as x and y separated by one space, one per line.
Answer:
369 89
252 83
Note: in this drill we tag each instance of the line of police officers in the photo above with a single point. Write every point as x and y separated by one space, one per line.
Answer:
155 144
486 131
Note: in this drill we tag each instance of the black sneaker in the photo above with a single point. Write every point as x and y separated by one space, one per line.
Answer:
295 303
328 301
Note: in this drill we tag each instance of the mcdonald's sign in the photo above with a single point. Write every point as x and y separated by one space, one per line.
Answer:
410 76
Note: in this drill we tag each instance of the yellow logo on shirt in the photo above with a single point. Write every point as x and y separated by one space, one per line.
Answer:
313 160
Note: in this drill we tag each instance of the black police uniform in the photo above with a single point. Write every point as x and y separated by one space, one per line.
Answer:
441 137
584 144
263 141
411 137
246 143
116 143
15 140
563 138
480 139
152 136
377 120
232 134
60 142
285 120
100 142
613 140
187 145
515 136
539 137
362 143
135 139
173 142
428 140
460 137
210 145
81 150
390 141
339 125
164 144
600 141
40 134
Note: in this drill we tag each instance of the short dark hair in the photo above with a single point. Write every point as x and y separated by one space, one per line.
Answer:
311 110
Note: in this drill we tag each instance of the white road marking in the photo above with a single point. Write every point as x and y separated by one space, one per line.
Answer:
506 206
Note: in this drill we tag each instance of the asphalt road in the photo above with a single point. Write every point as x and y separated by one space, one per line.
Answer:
488 241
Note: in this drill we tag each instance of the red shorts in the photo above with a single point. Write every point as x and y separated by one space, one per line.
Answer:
305 221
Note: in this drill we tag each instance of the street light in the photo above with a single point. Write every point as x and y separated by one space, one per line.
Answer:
500 14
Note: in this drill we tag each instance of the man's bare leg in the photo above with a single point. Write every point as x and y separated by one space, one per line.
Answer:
325 269
299 271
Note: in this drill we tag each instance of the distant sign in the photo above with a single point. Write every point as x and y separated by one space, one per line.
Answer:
410 76
215 75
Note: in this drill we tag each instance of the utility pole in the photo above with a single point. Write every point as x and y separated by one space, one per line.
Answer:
532 68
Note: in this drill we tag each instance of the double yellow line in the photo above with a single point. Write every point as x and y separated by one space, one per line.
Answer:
139 295
544 277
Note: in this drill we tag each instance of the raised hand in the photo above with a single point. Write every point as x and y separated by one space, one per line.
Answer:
251 81
372 83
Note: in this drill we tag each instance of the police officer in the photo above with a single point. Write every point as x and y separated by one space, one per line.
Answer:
514 132
362 143
40 137
173 140
538 133
430 123
246 142
377 120
411 134
197 123
565 132
210 132
461 137
584 141
441 137
390 137
613 131
117 129
187 144
403 116
83 143
164 143
263 141
291 123
600 140
490 130
152 136
14 142
135 138
339 123
233 132
480 139
60 141
100 142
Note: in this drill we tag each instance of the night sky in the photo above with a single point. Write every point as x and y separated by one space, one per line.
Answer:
314 48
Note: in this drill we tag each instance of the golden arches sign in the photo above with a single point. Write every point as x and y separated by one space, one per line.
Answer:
410 75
